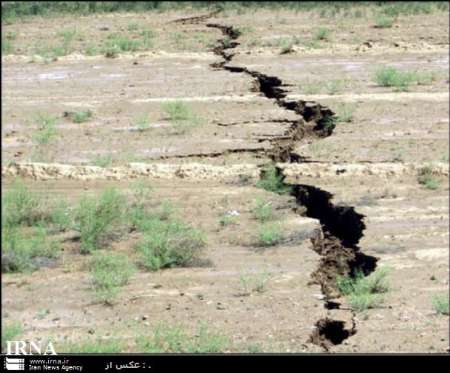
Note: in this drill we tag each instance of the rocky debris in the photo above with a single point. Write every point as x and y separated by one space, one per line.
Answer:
199 171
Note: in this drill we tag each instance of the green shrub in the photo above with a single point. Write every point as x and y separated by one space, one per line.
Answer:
142 123
401 80
7 46
137 211
226 220
82 116
426 178
117 43
335 86
177 110
20 206
440 304
60 216
269 235
97 217
46 128
169 244
345 113
10 331
263 210
174 339
147 38
109 272
382 21
254 283
272 181
321 33
181 116
22 253
364 292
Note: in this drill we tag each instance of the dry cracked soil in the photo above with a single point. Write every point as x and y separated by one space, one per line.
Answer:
350 151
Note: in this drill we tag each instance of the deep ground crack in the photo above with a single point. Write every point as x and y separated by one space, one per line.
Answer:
341 226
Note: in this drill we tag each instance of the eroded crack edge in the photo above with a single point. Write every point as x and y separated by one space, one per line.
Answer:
341 226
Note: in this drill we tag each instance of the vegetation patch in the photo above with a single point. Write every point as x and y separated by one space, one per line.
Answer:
46 129
263 210
109 272
256 283
174 339
364 292
82 116
272 181
382 21
10 332
440 304
97 217
387 76
20 206
345 112
170 244
427 178
27 252
181 116
270 234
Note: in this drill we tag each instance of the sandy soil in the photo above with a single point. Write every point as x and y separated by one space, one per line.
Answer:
392 134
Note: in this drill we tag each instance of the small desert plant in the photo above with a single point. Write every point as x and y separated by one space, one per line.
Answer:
147 38
46 128
170 244
121 43
263 210
10 331
227 41
391 77
91 50
109 272
181 116
174 339
81 116
345 113
20 206
321 33
270 234
226 220
382 21
328 123
440 304
142 123
335 86
60 216
177 110
97 217
137 211
426 178
272 181
7 46
23 253
286 45
133 26
364 292
254 283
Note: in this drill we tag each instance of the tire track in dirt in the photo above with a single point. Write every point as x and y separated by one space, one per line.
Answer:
341 226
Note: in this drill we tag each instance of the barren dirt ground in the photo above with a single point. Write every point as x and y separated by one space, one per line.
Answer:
356 196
